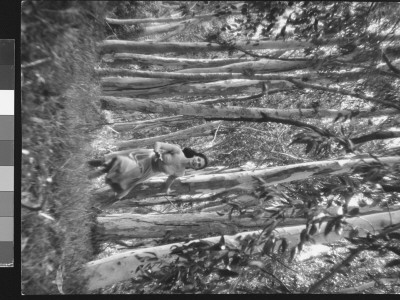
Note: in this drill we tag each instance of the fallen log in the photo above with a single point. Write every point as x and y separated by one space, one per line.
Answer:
221 182
125 226
123 266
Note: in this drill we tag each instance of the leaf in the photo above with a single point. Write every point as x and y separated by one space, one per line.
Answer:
300 247
329 226
227 273
152 253
394 235
283 31
329 261
170 278
284 245
235 260
59 280
24 242
313 229
221 240
37 120
303 235
257 263
393 263
338 228
353 233
268 246
46 216
343 272
292 253
316 25
354 211
225 259
309 147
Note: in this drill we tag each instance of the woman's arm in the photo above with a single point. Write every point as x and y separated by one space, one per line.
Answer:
161 147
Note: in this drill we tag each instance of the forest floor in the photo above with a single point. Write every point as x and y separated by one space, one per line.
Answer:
60 131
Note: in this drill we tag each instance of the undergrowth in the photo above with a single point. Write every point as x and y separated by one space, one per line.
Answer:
59 118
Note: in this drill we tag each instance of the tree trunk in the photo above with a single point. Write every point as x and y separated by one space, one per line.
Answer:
146 84
219 65
190 109
176 62
261 66
160 20
216 183
180 75
343 91
129 226
184 47
126 226
201 130
123 266
152 123
144 87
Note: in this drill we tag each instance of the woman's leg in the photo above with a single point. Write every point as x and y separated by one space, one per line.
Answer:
122 174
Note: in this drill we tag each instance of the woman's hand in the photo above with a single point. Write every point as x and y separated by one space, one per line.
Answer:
158 155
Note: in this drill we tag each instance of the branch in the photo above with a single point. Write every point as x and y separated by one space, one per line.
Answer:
266 118
379 135
389 188
35 63
252 54
342 91
390 65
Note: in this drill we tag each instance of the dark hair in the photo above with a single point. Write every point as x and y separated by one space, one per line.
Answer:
189 153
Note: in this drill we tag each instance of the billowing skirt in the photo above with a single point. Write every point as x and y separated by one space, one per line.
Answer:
129 168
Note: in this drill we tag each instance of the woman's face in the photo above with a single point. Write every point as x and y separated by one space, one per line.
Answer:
197 162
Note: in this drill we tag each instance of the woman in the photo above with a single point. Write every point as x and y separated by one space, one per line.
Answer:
126 169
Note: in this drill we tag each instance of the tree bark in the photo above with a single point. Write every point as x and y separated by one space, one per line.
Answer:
152 123
201 130
232 113
171 34
216 183
157 29
125 226
129 226
123 266
184 47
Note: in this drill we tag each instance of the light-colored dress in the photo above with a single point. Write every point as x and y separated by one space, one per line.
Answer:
132 167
